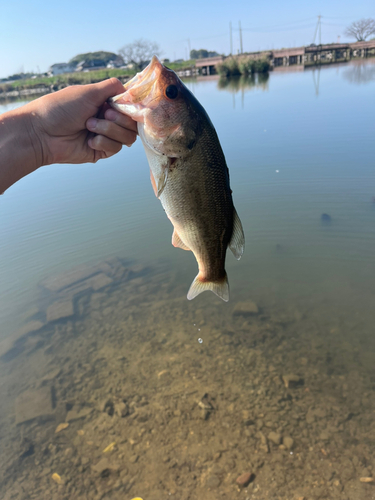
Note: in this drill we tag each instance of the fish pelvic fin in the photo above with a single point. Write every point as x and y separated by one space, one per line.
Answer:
219 288
237 242
162 181
177 241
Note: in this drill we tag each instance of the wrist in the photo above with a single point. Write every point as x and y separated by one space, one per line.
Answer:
21 150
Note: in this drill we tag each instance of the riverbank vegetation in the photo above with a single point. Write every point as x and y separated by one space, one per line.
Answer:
235 66
53 83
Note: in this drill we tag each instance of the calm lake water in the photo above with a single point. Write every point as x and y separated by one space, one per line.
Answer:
301 154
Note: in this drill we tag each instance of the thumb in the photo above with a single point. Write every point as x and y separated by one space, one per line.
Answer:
107 88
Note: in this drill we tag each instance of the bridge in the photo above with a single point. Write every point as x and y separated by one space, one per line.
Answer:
299 56
321 54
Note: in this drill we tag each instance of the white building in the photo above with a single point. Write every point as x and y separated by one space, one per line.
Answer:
60 68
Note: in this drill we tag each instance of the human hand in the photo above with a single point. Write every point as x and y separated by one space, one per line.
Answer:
75 125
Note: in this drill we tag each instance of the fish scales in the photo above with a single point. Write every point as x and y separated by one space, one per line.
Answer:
188 171
202 190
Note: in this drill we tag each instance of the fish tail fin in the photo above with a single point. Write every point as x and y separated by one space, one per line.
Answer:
219 287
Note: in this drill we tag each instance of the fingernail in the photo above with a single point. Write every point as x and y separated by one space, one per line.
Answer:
111 115
91 123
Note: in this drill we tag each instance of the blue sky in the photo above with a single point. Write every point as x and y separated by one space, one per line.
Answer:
36 34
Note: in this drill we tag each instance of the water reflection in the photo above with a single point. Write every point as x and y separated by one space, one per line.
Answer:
244 83
361 72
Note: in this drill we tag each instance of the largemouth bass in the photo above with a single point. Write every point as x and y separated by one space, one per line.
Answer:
188 171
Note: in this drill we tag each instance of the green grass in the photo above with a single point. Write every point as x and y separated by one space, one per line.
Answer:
234 66
81 77
179 66
67 79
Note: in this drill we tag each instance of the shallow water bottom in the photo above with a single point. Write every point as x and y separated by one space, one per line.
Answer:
165 398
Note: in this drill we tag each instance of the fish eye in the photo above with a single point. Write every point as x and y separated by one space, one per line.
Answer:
171 91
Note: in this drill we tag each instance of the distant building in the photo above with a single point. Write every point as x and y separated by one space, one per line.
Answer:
116 63
60 68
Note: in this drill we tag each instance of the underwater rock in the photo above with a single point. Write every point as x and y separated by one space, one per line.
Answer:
8 344
34 404
274 437
122 409
292 380
73 414
104 467
59 310
64 280
245 479
326 219
288 442
247 308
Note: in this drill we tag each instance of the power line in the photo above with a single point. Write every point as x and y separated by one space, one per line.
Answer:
283 24
278 30
331 24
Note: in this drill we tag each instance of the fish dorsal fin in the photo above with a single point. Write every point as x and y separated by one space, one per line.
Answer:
237 242
177 241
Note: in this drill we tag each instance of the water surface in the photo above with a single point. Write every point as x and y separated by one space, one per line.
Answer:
300 150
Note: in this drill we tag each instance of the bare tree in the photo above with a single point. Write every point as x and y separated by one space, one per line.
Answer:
139 52
361 29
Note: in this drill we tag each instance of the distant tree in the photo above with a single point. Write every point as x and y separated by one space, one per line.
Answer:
96 58
139 52
361 29
202 53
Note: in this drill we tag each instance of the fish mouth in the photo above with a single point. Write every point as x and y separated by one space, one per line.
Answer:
137 89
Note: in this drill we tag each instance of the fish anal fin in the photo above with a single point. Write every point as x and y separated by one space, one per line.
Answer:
237 242
177 241
219 287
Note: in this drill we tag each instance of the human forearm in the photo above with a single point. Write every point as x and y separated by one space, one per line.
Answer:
20 149
73 125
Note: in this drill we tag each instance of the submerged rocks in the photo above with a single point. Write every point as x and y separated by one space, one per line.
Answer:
34 404
246 308
60 310
77 414
153 412
10 345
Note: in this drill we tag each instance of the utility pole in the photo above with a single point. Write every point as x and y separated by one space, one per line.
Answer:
239 24
318 26
189 47
230 36
320 30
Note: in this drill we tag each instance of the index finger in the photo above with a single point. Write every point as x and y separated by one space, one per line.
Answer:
124 121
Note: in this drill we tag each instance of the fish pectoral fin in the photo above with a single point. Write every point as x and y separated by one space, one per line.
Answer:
219 288
162 181
177 241
153 183
237 242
